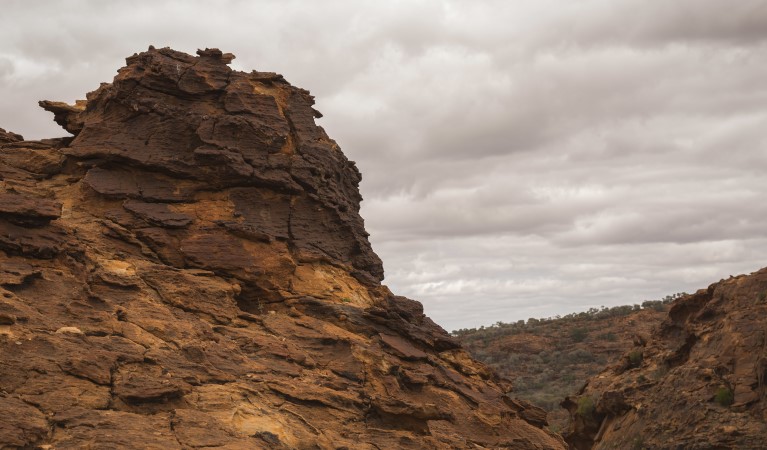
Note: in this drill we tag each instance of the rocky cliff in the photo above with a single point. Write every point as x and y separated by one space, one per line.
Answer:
698 382
190 270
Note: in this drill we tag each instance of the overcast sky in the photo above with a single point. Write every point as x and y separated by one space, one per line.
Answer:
519 158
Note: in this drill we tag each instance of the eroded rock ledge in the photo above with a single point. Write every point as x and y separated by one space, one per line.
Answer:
190 270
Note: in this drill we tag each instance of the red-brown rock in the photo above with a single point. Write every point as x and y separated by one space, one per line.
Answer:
190 270
7 136
28 210
700 380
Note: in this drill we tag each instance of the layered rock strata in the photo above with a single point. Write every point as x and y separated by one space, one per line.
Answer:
190 270
698 382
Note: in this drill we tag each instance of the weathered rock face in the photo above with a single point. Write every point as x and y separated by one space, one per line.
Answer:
700 380
190 270
6 137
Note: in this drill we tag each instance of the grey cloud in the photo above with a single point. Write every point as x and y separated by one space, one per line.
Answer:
519 159
686 21
6 67
475 281
641 24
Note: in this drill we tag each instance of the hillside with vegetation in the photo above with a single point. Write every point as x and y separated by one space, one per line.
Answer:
698 381
549 359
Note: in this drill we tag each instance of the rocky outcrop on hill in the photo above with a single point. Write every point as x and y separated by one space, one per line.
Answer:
190 270
699 381
549 359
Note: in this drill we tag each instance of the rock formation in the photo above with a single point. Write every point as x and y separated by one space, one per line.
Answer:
190 270
698 382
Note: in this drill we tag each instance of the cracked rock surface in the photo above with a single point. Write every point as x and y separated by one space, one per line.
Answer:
190 270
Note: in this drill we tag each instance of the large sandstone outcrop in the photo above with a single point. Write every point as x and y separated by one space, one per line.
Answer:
190 270
698 382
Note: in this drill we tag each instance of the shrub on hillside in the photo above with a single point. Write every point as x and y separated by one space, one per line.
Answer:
724 396
579 334
579 355
635 358
609 336
585 407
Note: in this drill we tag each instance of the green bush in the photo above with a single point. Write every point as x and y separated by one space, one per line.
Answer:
657 305
579 334
611 337
635 358
578 356
585 407
724 396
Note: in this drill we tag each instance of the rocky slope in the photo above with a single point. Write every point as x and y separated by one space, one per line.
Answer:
190 270
698 382
550 359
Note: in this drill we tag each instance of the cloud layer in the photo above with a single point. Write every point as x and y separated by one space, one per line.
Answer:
520 159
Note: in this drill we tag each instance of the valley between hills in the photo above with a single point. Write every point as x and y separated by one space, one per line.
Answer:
548 359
